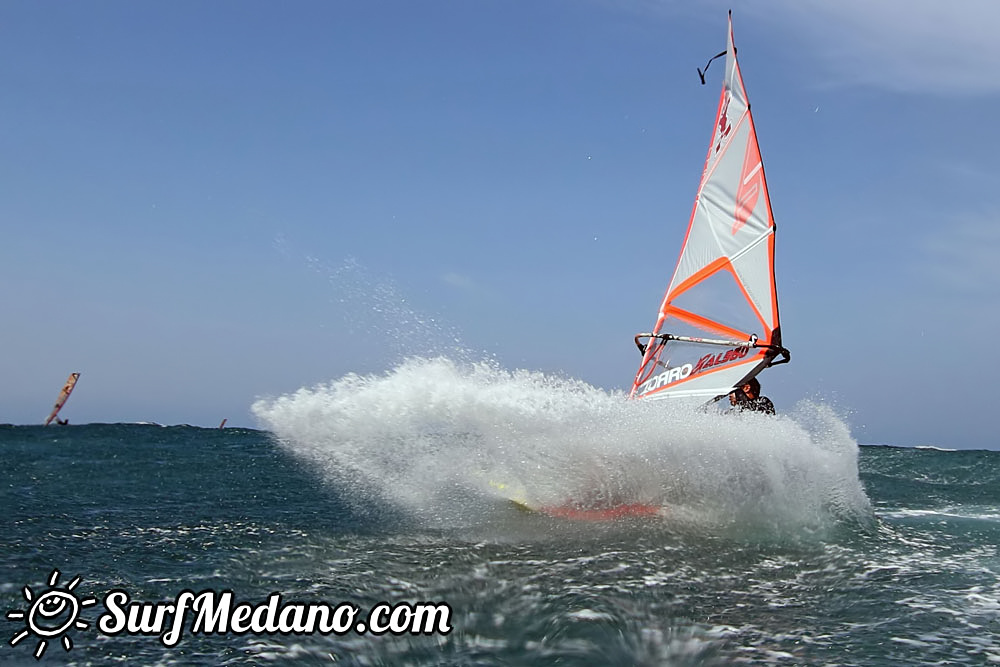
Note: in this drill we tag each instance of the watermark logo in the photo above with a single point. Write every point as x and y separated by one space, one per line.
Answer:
51 614
54 612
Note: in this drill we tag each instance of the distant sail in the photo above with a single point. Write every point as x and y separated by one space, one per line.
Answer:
63 395
718 323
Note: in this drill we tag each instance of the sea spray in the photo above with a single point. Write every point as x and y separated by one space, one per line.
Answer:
370 306
446 441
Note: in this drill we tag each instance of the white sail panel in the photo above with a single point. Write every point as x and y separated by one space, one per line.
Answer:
732 211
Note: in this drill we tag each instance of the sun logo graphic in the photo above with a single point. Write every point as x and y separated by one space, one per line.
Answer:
51 614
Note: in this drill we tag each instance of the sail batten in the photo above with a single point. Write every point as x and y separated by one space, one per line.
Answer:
723 281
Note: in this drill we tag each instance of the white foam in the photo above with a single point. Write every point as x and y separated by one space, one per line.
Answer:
433 434
971 512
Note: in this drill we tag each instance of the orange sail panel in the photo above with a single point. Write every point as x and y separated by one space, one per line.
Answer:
723 284
63 395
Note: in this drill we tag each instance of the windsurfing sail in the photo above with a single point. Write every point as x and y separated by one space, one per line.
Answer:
718 324
63 395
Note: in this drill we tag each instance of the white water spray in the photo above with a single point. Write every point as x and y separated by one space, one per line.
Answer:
432 430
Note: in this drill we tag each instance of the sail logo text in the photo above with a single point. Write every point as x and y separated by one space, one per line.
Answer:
750 188
666 377
724 127
710 360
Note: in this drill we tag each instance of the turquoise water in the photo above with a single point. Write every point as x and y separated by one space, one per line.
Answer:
889 556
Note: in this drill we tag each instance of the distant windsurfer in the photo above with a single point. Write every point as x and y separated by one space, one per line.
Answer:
747 397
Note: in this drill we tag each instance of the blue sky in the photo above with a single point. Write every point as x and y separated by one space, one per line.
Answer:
210 202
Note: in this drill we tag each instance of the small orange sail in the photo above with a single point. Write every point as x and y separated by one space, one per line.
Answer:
63 395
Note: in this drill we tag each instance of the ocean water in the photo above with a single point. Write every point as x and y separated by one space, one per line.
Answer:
781 541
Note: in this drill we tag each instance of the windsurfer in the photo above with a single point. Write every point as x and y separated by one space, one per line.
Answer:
747 397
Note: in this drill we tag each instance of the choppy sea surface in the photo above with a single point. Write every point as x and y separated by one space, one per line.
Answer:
781 541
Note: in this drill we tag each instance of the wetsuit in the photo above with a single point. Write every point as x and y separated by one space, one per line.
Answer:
759 404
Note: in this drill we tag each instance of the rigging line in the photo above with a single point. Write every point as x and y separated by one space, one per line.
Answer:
701 72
